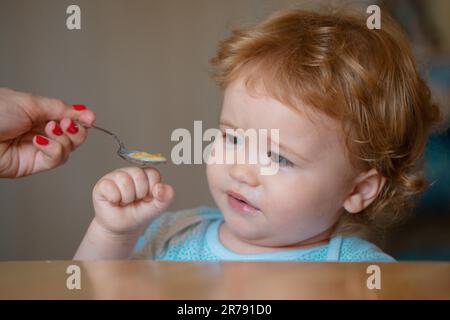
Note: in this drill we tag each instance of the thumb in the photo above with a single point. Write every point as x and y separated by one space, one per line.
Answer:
55 109
161 197
163 194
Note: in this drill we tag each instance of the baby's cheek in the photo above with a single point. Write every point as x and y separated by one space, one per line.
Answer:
215 174
209 176
294 202
296 221
311 212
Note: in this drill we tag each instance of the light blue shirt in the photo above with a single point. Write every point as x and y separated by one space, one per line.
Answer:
193 234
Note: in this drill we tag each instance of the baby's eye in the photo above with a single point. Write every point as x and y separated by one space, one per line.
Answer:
277 158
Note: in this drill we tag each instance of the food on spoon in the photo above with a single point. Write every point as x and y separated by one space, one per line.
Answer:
145 156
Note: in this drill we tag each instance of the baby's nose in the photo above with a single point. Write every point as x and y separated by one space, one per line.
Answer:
245 173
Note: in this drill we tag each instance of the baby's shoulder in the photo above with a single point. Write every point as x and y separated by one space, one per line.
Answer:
358 250
173 226
174 222
189 216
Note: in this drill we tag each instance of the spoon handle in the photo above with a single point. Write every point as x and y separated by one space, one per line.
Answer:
111 134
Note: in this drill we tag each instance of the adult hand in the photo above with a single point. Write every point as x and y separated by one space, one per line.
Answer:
38 133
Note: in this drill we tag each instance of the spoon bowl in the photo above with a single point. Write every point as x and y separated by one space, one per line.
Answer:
141 158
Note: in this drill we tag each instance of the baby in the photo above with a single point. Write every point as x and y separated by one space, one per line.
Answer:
353 117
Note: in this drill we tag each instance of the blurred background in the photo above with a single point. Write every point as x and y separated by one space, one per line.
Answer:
143 67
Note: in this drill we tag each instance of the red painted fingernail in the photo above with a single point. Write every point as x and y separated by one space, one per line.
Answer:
72 127
57 130
43 141
79 107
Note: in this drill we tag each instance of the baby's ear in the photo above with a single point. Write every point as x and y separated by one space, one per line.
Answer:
366 188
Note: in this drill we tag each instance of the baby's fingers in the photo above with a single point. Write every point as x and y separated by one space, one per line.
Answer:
124 183
155 203
162 195
107 190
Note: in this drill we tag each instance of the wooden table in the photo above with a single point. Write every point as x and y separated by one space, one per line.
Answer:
222 280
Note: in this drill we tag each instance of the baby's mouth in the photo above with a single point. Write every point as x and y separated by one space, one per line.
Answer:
238 198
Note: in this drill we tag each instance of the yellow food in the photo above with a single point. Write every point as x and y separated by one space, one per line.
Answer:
147 156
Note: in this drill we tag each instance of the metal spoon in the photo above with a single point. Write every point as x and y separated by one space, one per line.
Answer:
140 158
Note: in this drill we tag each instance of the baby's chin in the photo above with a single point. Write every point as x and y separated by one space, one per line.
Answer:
250 231
258 242
260 232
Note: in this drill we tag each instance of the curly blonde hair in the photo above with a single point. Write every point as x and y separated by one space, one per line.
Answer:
366 79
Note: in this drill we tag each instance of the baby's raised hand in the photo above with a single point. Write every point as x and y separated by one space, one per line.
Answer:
128 199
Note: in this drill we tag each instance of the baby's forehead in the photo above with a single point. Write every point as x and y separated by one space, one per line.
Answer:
258 106
299 125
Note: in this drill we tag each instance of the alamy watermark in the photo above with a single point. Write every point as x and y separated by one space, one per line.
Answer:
73 281
231 146
73 19
374 20
374 280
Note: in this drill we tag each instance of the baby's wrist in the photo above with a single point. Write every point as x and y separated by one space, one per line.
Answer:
102 233
100 243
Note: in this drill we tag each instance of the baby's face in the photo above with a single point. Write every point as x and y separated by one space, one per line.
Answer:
305 197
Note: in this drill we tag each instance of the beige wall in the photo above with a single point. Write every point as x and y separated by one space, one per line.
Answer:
143 67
